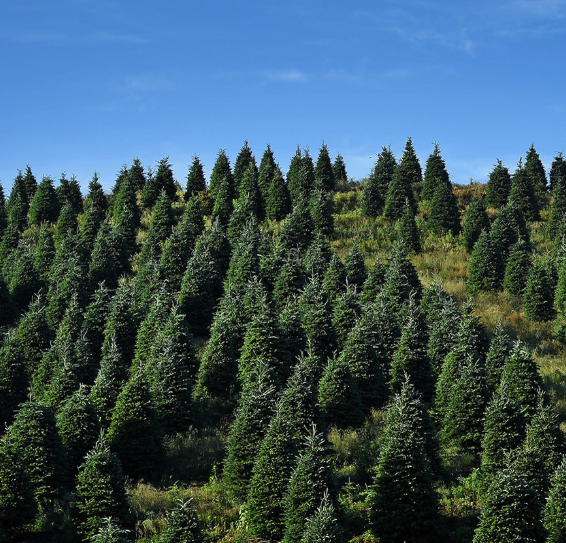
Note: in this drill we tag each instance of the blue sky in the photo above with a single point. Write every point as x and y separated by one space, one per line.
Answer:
89 84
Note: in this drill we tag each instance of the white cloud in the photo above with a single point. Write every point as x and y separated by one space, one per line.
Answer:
288 76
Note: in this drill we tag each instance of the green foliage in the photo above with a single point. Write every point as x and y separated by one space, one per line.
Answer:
475 221
444 216
322 526
24 280
354 265
300 177
535 170
101 491
347 310
557 207
335 277
557 171
522 193
277 198
538 294
69 193
110 532
162 217
435 174
274 465
399 193
126 214
195 179
339 396
339 169
309 481
102 268
45 206
134 432
498 186
320 206
324 174
289 283
221 174
223 202
407 231
496 357
162 181
379 181
17 502
403 505
511 511
297 230
35 434
555 508
518 268
508 228
255 409
182 525
267 171
486 270
3 214
14 379
244 159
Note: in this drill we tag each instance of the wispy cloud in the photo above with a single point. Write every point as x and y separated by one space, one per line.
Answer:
288 76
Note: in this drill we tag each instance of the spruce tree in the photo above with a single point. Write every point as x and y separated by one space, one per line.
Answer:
403 505
102 268
298 180
162 217
407 231
322 526
244 159
554 513
223 202
324 174
486 270
255 409
95 207
277 198
509 226
272 470
557 208
339 170
290 282
522 194
35 434
137 175
435 174
308 484
511 511
266 172
30 183
14 379
347 310
297 230
45 206
162 181
373 283
134 433
444 216
557 171
518 268
17 502
538 294
195 179
443 333
18 215
335 277
126 214
497 357
24 282
354 265
101 491
475 221
69 193
498 186
292 327
377 185
3 214
320 206
249 187
182 525
535 170
221 174
400 192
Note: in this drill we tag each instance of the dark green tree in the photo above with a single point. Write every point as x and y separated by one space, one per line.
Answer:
522 193
322 526
3 213
324 174
126 215
555 508
102 268
101 491
30 182
14 379
18 214
182 525
475 221
538 294
289 283
535 170
509 226
407 231
497 357
277 198
223 202
383 170
557 208
346 312
221 174
435 174
195 179
518 268
66 223
400 192
335 278
297 230
444 216
24 282
373 283
498 186
486 270
162 217
339 170
320 205
161 181
266 172
243 160
69 193
45 206
355 267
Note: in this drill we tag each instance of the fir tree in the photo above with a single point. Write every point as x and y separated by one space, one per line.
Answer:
339 170
335 278
3 214
509 226
324 174
497 357
297 229
322 526
69 193
255 409
18 193
194 215
317 258
242 214
221 175
162 181
407 231
102 268
538 294
475 221
95 207
134 432
308 484
402 502
320 205
244 159
300 177
7 307
195 179
162 217
182 525
223 205
277 198
535 170
399 193
444 216
18 215
266 172
373 283
272 470
30 183
44 207
101 490
339 396
24 282
554 511
35 434
17 502
511 511
290 282
486 269
522 193
435 174
383 170
110 532
557 208
443 333
518 268
126 214
347 310
137 175
498 186
354 265
14 379
557 171
66 223
292 328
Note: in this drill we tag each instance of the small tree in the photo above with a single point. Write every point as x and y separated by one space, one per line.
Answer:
555 508
407 231
182 525
277 198
498 186
518 268
195 179
444 216
539 296
522 193
486 269
535 170
45 206
475 221
435 174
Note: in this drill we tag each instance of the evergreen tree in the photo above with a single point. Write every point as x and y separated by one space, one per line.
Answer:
555 507
339 396
137 175
7 307
195 179
3 214
371 201
504 429
309 481
443 327
496 357
162 217
69 193
134 432
297 230
126 214
486 269
444 216
277 198
18 193
95 207
44 207
511 511
557 171
322 526
102 268
535 170
182 525
14 379
35 434
399 193
347 310
162 181
244 159
518 268
223 202
407 231
17 214
522 194
101 490
66 223
324 174
411 164
24 282
30 183
272 470
320 205
538 294
383 170
110 532
194 215
300 177
508 228
435 174
17 502
78 426
242 214
339 170
335 278
354 265
557 208
475 221
266 172
254 411
292 327
290 281
402 502
373 283
221 175
498 186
